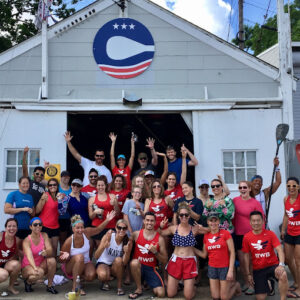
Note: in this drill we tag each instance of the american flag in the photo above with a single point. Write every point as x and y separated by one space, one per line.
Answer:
43 12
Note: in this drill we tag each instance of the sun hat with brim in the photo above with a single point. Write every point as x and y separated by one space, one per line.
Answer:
78 181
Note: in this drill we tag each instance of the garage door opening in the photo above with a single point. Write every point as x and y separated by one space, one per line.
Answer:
91 131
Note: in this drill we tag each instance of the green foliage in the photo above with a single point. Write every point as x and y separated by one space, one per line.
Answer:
258 38
17 19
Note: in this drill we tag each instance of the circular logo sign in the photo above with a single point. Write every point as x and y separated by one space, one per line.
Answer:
123 48
51 171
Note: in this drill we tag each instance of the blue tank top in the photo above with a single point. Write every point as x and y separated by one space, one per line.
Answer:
183 241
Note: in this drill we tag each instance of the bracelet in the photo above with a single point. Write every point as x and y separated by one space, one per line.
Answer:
277 169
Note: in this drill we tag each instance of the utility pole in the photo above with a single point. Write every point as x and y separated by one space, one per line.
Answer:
285 65
241 25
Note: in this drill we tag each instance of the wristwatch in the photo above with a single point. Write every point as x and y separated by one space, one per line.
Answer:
282 264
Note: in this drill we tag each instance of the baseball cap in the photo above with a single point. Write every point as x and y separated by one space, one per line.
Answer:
65 173
149 172
212 215
142 155
78 181
203 181
121 156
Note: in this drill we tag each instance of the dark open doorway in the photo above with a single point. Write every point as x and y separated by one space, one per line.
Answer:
91 131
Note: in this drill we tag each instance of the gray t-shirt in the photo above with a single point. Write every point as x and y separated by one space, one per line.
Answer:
134 215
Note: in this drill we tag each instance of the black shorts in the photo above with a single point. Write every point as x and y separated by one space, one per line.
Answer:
238 241
100 235
292 239
64 225
23 233
261 278
51 232
217 273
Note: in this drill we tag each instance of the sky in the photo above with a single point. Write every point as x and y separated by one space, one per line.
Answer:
219 17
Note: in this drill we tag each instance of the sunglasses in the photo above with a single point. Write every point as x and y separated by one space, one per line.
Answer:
184 215
143 158
156 186
244 187
37 224
51 185
215 186
93 176
122 228
136 192
76 185
39 174
97 155
289 186
205 186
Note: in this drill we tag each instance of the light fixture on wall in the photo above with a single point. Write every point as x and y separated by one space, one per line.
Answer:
131 99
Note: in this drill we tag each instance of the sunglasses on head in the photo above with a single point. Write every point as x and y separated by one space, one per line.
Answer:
122 228
99 155
243 187
291 185
184 215
215 186
52 184
39 174
37 224
76 184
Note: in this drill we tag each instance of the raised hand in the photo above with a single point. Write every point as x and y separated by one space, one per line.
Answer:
111 215
127 248
163 223
68 136
160 154
113 137
153 248
26 149
150 142
183 148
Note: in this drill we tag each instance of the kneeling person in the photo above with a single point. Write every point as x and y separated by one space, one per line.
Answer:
260 243
149 249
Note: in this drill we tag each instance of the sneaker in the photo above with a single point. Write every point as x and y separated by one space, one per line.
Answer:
28 288
52 290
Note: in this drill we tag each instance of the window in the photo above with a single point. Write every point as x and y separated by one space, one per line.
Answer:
13 167
239 165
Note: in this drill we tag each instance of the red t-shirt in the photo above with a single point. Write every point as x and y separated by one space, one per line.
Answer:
141 251
121 196
126 172
217 249
91 190
107 207
261 246
175 193
161 210
293 213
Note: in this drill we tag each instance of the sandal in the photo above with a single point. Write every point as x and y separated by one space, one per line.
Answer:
82 293
120 292
135 295
105 287
293 294
292 288
250 291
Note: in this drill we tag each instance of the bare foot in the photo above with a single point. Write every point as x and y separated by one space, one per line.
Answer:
238 290
13 291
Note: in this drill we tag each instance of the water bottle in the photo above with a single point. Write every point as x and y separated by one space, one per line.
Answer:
95 206
77 288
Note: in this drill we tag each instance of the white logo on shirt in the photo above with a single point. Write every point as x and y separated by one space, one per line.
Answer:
143 250
5 253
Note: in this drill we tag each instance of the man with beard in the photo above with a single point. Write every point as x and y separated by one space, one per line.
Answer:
87 164
91 189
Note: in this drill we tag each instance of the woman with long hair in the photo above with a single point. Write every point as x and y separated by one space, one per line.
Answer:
112 256
48 209
290 233
244 205
9 265
38 257
75 252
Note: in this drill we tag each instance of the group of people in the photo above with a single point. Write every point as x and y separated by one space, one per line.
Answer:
125 224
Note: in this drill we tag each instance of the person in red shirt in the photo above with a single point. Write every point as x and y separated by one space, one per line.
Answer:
260 244
149 249
219 247
120 168
91 189
118 188
290 232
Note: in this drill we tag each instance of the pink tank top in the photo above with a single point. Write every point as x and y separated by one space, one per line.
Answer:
49 214
35 249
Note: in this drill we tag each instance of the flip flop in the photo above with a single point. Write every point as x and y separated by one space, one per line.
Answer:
135 295
293 294
292 288
250 291
105 287
82 293
120 292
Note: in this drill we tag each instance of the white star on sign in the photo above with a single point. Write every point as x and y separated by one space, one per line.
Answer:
131 26
116 26
124 26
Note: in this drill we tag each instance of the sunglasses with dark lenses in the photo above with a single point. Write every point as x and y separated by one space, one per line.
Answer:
143 158
97 155
37 224
51 185
77 185
39 174
204 186
244 187
215 186
184 215
93 176
122 228
289 185
156 186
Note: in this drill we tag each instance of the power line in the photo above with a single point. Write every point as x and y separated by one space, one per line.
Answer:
229 23
257 6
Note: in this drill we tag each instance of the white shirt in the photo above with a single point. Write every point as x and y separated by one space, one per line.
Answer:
89 164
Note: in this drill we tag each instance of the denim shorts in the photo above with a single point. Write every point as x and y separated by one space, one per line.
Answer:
217 273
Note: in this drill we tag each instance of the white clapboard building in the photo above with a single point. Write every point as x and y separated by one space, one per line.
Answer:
196 89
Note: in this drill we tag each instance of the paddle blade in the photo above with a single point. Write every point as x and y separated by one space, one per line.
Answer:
281 132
